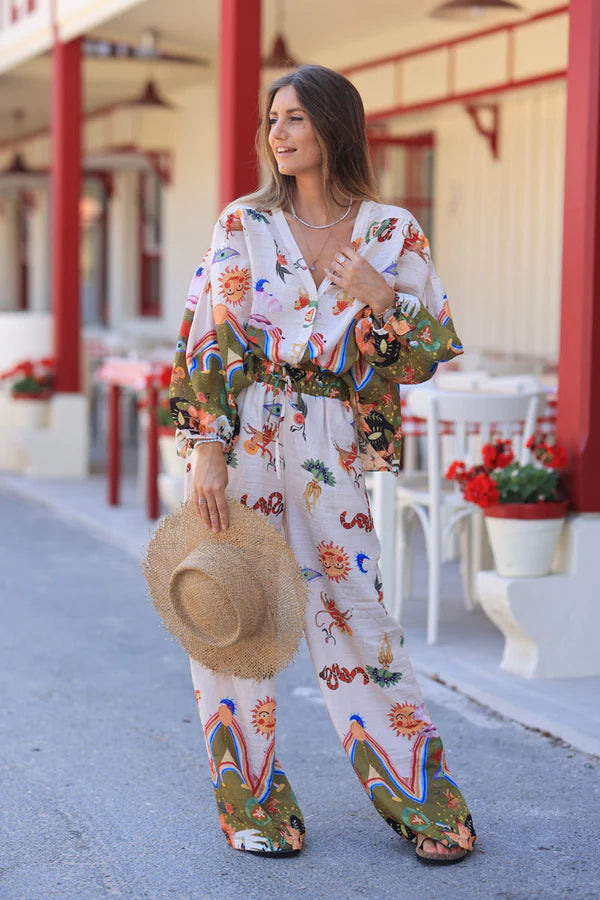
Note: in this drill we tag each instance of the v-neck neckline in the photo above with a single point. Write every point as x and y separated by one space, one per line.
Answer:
292 245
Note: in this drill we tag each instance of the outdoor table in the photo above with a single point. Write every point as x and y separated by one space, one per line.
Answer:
138 375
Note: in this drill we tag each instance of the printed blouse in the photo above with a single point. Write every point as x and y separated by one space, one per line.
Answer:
253 302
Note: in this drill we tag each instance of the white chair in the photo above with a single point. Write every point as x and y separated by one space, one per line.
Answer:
479 380
437 503
459 379
511 384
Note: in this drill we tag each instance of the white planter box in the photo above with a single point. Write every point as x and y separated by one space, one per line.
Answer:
17 416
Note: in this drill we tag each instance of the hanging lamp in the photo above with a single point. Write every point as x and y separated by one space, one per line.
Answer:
280 57
17 175
472 10
149 97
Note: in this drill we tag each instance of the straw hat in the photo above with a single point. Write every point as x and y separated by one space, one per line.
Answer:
234 600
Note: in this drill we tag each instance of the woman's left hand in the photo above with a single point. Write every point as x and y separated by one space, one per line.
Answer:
351 271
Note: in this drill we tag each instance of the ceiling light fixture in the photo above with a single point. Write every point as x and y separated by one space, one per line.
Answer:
472 10
149 97
280 57
18 176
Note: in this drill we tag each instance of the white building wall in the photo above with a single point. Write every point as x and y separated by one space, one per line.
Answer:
191 202
498 223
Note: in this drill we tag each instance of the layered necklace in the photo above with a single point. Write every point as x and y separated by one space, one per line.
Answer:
312 266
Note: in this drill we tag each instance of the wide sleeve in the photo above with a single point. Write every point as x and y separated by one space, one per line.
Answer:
418 332
207 357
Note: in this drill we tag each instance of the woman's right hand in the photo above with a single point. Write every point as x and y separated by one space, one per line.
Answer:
209 480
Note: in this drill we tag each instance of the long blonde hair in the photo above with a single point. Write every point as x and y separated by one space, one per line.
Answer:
337 115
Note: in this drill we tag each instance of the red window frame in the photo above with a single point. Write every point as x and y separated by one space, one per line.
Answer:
105 179
150 243
22 216
415 197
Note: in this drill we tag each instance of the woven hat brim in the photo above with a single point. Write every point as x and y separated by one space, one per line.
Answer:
272 647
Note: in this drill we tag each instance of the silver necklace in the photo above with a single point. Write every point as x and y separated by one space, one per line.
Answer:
314 262
329 225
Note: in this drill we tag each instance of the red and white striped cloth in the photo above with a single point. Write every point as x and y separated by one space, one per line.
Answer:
413 426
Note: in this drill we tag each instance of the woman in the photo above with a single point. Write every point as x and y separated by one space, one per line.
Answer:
311 307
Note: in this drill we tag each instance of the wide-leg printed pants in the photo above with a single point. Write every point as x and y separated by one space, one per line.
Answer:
296 462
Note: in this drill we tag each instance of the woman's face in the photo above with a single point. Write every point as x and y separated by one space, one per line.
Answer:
291 135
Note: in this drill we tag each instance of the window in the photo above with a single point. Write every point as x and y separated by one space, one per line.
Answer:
150 219
20 8
403 169
93 214
22 212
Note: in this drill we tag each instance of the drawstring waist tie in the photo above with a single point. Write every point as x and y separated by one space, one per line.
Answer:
316 382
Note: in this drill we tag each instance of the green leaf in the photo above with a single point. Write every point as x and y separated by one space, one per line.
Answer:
526 484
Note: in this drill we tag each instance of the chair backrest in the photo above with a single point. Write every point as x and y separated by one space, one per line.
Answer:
459 423
459 380
510 384
513 365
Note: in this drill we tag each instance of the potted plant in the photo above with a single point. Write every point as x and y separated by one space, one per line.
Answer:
523 505
28 386
30 379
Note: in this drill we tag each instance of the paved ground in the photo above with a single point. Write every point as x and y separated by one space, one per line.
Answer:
467 655
105 787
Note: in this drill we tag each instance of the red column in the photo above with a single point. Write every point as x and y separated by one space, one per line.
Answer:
66 171
579 371
152 496
113 446
239 85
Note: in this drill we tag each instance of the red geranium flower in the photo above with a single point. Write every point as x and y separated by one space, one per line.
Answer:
164 378
555 457
552 456
456 469
497 455
482 490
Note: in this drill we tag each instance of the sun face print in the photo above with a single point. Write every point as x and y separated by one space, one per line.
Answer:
263 717
405 721
233 284
334 560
